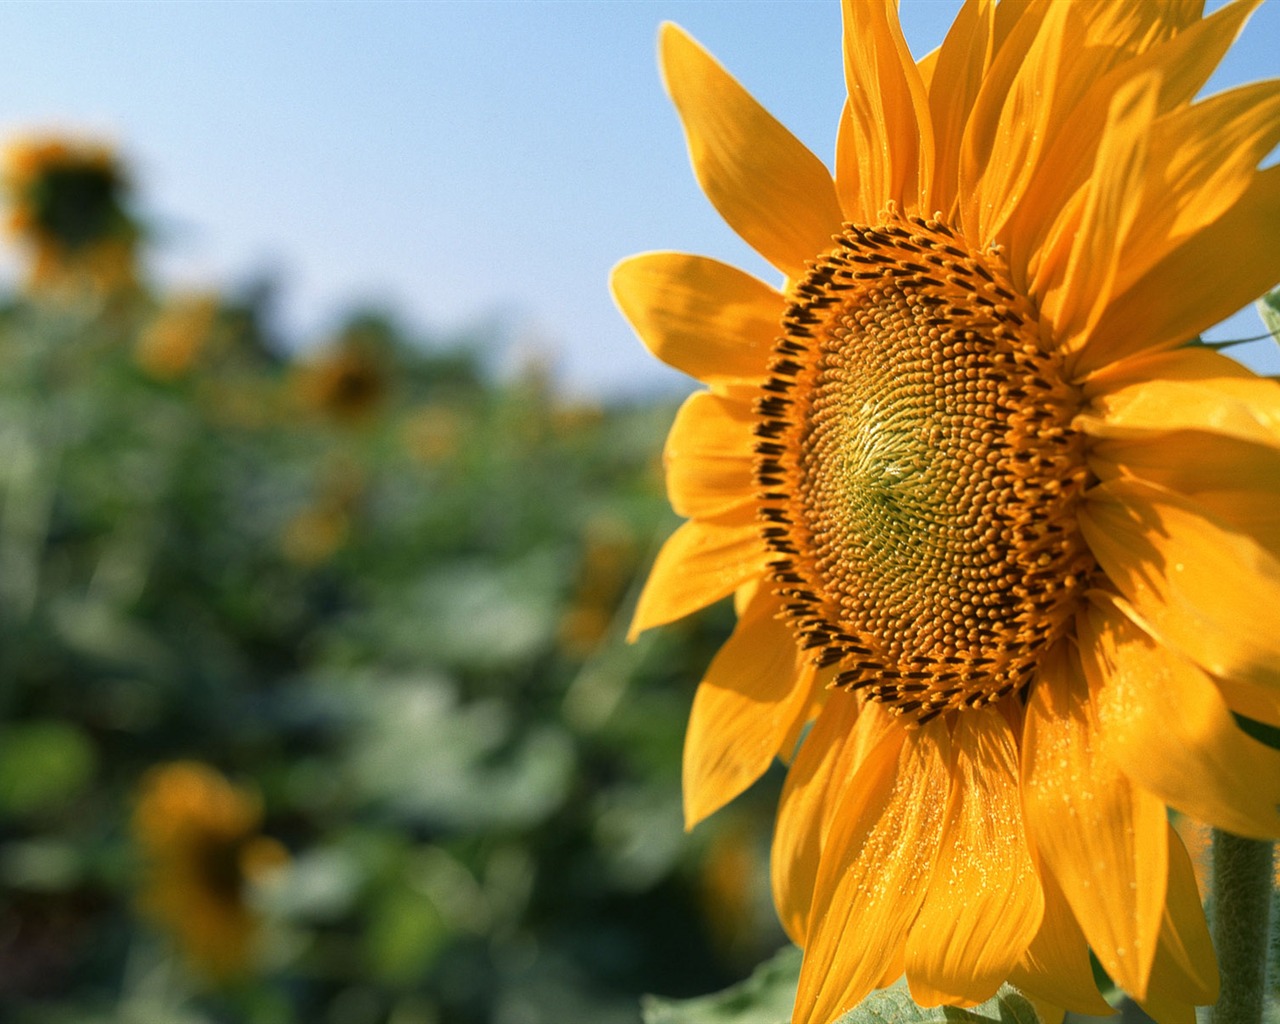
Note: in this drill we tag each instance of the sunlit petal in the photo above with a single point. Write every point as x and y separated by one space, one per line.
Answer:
698 565
874 870
701 316
1103 837
1196 759
742 711
775 193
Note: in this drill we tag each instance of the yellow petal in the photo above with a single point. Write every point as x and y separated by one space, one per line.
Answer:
874 870
1179 297
1195 363
1247 408
1205 156
743 709
1210 471
1184 62
1056 965
708 456
1010 15
1261 703
1021 165
983 905
1103 838
1235 482
769 188
698 565
885 148
961 62
1185 971
1191 462
1013 116
828 760
703 317
927 65
1047 1012
1073 303
1207 591
815 685
1196 759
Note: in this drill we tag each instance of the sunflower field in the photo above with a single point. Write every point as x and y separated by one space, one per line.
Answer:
352 680
317 703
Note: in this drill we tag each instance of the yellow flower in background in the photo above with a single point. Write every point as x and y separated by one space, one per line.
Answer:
316 533
999 540
67 202
607 565
169 346
433 434
199 839
735 863
347 381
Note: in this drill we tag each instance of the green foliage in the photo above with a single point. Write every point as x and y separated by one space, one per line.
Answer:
894 1006
766 998
399 622
1269 309
43 766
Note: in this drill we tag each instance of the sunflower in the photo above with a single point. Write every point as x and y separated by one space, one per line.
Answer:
1004 543
173 341
347 381
69 208
199 838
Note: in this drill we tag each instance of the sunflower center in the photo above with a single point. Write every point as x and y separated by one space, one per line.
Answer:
918 473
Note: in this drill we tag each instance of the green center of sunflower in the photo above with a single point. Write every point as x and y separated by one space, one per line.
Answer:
918 473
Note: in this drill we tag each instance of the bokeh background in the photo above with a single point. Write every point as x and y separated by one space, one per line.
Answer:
328 477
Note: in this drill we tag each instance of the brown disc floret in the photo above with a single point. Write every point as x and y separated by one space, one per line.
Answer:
918 472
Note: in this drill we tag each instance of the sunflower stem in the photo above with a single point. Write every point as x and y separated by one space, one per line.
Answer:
1242 881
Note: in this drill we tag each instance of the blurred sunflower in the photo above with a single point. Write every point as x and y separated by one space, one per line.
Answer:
986 516
199 838
68 203
170 345
607 566
316 533
433 434
347 381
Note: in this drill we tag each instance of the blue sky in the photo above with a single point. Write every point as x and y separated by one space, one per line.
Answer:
456 161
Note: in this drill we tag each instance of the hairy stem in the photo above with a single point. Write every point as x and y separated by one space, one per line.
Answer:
1242 880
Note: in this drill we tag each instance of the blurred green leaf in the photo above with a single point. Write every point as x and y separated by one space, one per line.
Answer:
43 764
639 830
764 998
470 766
40 864
319 885
404 935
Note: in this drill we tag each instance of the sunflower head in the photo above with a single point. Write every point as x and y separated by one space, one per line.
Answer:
170 344
69 209
198 836
347 381
918 471
986 511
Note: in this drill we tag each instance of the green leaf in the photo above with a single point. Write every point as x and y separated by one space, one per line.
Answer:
44 764
764 998
895 1006
1269 309
768 995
